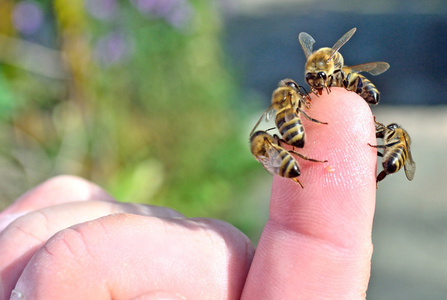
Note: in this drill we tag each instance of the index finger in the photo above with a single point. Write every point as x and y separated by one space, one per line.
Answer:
317 241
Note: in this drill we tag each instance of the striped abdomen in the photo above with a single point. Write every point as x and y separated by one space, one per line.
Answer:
289 167
290 127
369 91
394 158
362 86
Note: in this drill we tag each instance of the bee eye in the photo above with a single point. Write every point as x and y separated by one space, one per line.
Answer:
322 75
292 85
392 126
309 76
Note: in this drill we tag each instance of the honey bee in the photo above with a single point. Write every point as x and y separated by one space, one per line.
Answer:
322 64
274 158
325 68
287 101
396 150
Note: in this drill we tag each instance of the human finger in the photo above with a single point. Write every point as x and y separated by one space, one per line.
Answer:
60 189
27 234
317 241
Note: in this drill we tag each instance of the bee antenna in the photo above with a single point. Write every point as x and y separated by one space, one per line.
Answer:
268 141
270 129
330 57
302 87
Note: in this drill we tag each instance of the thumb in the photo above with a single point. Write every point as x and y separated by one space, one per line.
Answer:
317 241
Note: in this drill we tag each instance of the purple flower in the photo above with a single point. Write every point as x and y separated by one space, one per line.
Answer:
177 12
163 8
180 16
27 17
112 48
102 9
145 6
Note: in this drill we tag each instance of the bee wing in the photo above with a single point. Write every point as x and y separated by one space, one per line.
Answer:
265 116
306 42
373 68
290 114
272 161
269 114
342 41
410 165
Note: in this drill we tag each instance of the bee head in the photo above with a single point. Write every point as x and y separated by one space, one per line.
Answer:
392 126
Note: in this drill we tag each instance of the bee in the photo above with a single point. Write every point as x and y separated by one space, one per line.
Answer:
287 101
323 64
325 68
396 150
274 158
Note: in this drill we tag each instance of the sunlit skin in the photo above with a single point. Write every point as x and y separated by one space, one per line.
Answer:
73 241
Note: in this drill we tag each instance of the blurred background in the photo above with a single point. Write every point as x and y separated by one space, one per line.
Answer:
154 99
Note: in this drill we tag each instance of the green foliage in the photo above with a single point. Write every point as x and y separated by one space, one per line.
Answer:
145 106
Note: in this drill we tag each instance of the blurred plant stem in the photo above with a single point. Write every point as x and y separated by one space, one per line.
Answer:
71 25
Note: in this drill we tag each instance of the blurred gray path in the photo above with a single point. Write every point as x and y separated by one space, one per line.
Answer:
410 225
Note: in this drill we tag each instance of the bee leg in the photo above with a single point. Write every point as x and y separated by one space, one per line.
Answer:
307 101
297 181
380 134
378 124
306 94
381 176
384 146
380 128
345 80
279 140
306 158
299 110
308 104
358 86
391 144
377 146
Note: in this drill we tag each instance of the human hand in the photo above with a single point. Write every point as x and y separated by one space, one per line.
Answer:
74 241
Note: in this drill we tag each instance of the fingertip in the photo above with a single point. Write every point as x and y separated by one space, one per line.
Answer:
344 186
317 241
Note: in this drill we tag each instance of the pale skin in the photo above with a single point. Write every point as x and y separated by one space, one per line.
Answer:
68 239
